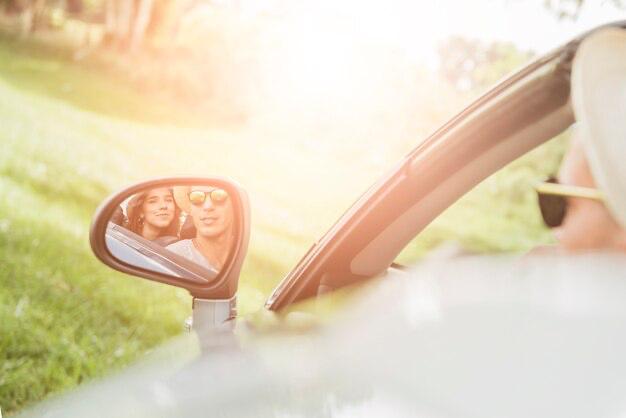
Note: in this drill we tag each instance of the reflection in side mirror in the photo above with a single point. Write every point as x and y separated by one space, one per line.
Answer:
137 251
194 223
191 233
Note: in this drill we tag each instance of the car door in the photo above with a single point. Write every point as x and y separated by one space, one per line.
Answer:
522 112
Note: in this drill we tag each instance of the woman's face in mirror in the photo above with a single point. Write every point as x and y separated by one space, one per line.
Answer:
158 208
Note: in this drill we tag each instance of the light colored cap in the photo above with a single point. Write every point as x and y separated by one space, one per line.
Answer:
599 101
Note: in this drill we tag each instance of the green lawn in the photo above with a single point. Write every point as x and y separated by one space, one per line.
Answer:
70 135
31 67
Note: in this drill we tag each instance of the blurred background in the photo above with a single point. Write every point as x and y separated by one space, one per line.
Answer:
305 103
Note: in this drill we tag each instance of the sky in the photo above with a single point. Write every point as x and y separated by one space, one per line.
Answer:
419 26
527 23
356 57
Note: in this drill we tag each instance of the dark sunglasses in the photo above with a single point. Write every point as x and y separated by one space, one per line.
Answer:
198 197
552 198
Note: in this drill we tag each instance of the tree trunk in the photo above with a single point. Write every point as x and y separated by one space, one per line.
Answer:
26 21
125 16
109 16
141 21
128 23
38 14
31 10
166 20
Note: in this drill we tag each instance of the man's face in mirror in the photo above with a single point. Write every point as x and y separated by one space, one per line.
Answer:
213 216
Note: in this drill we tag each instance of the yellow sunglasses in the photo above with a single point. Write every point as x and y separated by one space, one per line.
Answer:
552 199
198 197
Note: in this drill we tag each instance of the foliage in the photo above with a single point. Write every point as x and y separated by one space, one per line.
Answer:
474 65
500 214
36 69
570 9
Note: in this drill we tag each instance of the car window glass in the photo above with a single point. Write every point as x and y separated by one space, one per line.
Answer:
499 215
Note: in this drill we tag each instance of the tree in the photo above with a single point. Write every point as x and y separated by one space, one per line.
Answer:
126 22
30 13
570 9
129 22
470 64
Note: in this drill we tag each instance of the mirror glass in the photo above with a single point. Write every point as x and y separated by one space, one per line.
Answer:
185 231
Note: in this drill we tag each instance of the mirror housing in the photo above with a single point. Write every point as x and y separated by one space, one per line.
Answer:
220 287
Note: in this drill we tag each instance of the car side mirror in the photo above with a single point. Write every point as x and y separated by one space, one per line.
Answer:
187 232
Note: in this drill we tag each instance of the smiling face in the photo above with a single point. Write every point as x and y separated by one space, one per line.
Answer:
211 218
158 208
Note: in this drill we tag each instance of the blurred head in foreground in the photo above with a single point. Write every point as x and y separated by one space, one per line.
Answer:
597 157
588 223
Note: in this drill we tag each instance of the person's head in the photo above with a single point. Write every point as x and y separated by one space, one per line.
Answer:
153 214
594 203
210 208
588 224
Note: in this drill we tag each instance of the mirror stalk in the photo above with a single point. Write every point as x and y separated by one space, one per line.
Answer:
211 315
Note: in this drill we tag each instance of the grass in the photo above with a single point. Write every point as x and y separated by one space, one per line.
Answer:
31 67
64 317
72 134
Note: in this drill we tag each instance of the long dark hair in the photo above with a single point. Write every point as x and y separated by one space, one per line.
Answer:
135 220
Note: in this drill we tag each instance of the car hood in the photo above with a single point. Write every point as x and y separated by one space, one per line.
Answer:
461 337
